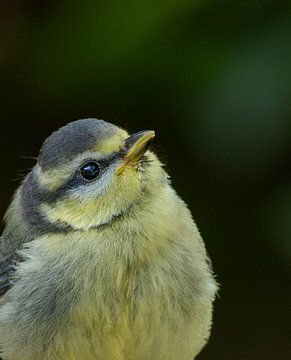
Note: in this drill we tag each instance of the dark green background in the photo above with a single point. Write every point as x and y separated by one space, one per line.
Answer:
213 78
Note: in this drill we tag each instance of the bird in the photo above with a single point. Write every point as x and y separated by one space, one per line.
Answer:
100 258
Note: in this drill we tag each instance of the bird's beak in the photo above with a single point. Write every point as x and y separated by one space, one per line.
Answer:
136 145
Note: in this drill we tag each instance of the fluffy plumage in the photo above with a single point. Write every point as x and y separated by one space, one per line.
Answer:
109 269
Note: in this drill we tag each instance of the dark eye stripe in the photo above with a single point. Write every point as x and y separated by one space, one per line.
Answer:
77 179
33 196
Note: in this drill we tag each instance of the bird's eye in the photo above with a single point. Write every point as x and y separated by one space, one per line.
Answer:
90 170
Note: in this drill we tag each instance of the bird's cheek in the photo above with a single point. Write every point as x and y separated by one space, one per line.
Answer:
68 211
128 183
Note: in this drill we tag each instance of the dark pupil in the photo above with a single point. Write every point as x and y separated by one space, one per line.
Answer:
90 171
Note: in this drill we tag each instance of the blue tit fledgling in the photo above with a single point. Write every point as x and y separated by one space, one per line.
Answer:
100 259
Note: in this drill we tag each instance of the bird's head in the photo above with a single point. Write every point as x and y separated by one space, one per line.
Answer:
88 174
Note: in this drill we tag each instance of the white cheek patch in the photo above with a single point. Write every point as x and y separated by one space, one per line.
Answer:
98 187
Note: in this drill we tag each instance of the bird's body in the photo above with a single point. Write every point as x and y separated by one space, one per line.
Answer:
109 271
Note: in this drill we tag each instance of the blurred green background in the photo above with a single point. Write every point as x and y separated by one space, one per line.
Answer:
213 78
